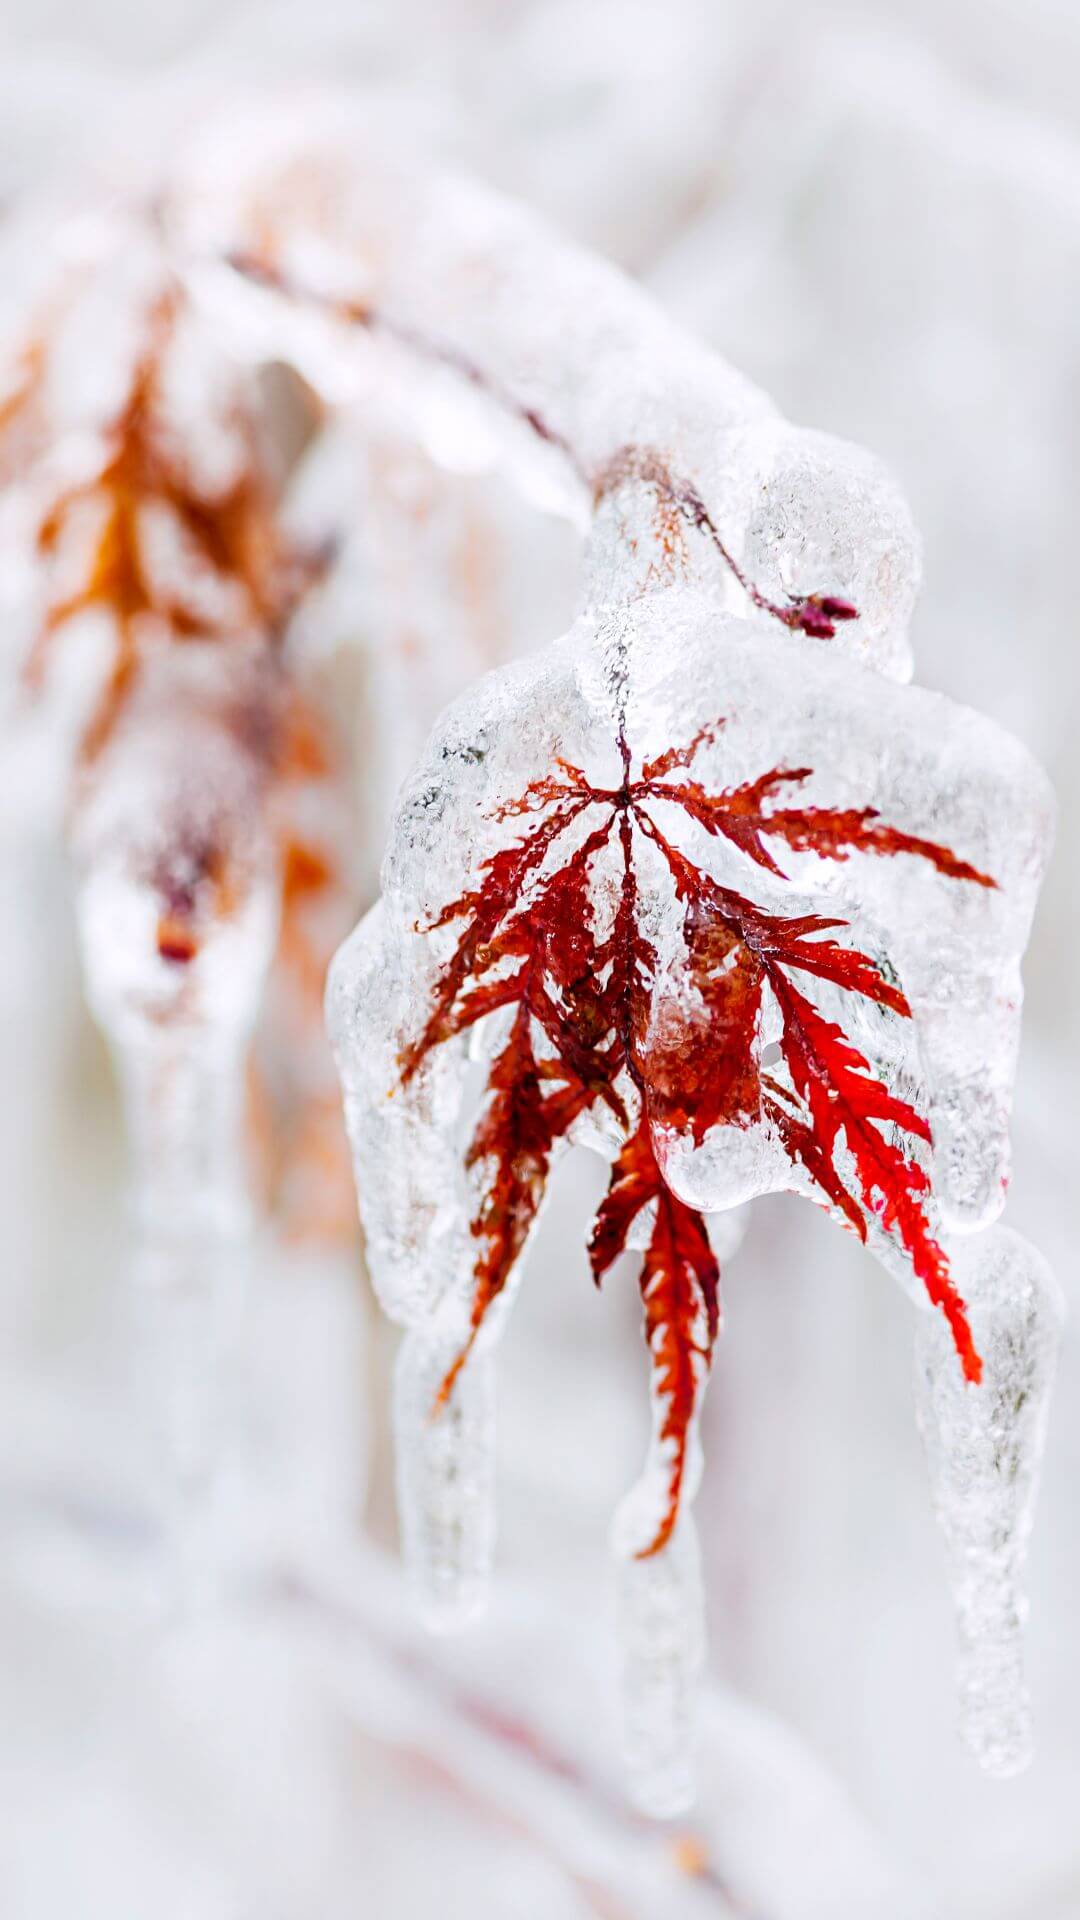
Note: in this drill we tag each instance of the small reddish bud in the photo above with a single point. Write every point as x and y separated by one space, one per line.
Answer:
175 941
818 613
810 618
835 609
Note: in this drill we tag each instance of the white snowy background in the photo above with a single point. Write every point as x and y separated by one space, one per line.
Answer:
875 212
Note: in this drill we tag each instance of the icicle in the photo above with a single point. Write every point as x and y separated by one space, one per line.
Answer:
661 1620
445 1477
191 1231
189 1272
984 1447
177 917
416 1222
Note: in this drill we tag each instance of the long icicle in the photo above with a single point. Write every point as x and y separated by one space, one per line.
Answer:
984 1448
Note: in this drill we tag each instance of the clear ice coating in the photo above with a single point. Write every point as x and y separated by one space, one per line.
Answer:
703 885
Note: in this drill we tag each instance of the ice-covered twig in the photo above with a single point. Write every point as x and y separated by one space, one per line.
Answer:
449 284
816 614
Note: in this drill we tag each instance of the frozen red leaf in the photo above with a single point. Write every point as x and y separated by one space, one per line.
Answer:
232 573
591 1024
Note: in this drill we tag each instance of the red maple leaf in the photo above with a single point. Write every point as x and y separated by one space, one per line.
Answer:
585 1027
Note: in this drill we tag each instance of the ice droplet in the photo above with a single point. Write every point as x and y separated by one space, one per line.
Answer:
984 1446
